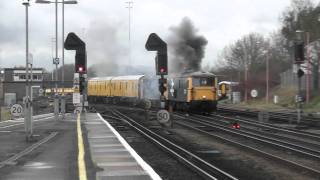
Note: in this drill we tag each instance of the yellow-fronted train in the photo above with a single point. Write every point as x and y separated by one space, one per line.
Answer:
194 92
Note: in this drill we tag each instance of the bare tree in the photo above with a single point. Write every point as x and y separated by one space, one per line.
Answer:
245 52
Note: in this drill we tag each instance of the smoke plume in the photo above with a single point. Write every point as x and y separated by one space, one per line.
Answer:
105 50
187 48
108 52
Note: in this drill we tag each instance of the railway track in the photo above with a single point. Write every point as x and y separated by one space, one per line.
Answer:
311 149
197 164
282 151
254 124
277 116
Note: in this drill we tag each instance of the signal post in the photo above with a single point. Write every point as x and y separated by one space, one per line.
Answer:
73 42
298 60
155 43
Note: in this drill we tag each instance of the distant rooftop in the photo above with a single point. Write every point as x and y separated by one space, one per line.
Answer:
21 68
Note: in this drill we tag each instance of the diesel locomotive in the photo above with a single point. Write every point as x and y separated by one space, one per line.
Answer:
189 91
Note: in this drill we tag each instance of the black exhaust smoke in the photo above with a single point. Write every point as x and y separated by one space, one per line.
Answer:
186 47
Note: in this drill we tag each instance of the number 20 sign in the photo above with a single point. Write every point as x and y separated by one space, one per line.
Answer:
16 110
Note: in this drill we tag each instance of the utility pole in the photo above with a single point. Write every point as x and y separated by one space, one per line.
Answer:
63 102
245 76
56 59
52 55
56 62
308 68
267 78
130 6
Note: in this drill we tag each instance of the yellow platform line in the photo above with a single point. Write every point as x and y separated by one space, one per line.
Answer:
81 161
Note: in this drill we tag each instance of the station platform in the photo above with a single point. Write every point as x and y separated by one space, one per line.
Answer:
59 151
110 152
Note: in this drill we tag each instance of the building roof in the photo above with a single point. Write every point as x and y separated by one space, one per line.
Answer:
229 83
21 68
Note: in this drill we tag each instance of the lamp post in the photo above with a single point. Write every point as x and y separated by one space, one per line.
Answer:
27 100
56 59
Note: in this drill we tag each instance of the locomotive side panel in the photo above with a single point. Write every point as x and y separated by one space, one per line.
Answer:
178 89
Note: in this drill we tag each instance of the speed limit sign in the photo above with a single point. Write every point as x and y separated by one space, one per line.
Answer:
16 110
163 116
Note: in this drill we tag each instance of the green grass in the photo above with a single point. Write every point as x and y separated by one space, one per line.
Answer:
286 101
313 105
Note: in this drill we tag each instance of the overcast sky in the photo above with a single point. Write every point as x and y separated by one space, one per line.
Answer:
103 24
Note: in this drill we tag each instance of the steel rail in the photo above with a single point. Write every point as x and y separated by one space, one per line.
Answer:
313 172
271 126
269 141
182 154
283 116
283 136
287 135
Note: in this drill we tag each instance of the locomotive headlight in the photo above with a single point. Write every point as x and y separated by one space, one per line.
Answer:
204 97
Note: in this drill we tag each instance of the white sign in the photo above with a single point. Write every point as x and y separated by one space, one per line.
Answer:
148 104
30 58
76 75
163 116
77 110
172 89
56 61
254 93
41 91
76 98
16 110
76 80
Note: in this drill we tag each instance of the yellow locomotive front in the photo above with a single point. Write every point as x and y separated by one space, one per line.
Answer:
202 94
194 92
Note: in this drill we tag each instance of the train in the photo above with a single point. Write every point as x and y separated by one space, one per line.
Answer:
226 88
192 92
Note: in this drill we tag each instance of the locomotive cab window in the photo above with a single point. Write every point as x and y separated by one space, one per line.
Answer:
202 81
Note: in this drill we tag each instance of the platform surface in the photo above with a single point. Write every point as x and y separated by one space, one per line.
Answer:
53 159
54 155
110 152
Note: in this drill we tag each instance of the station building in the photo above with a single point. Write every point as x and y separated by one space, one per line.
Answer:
13 83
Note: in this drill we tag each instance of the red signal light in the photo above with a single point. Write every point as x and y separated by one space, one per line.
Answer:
236 125
162 70
80 69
